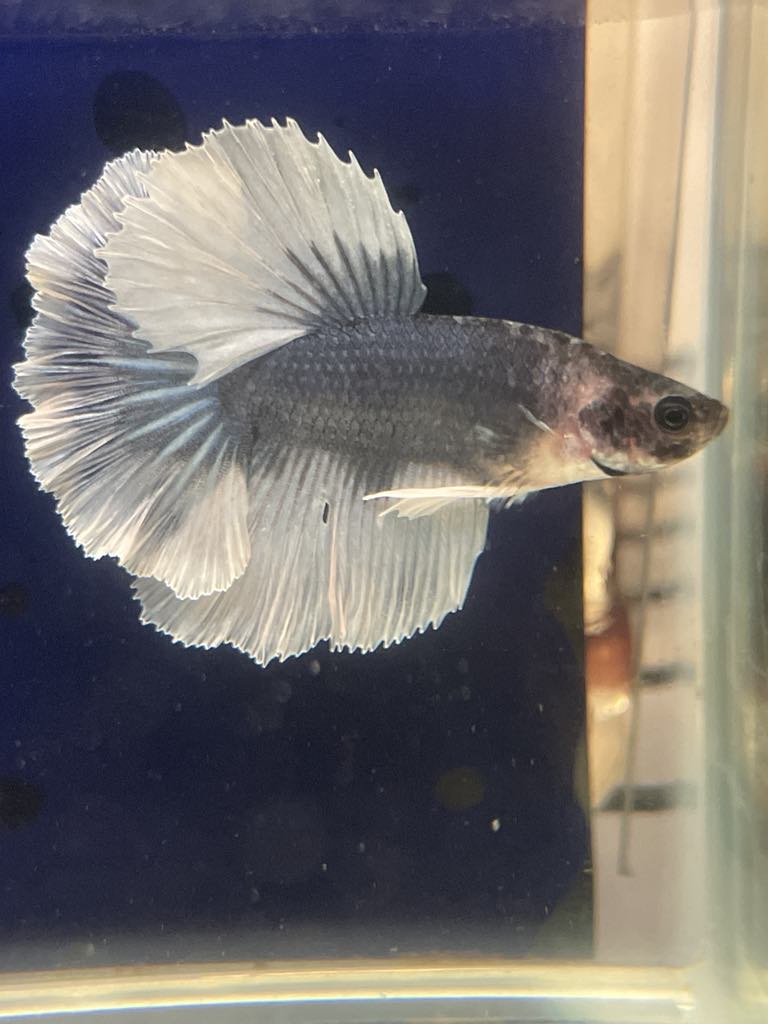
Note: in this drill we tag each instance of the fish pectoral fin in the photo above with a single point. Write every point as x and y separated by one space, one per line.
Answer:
325 566
254 238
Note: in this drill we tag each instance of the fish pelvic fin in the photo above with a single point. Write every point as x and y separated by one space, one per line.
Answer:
416 501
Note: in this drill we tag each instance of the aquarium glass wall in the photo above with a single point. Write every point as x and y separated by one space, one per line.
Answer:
551 807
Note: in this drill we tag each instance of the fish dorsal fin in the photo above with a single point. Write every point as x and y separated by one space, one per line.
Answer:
252 239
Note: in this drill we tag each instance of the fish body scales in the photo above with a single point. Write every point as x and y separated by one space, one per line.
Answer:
409 388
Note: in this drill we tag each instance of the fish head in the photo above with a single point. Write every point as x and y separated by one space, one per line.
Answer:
632 420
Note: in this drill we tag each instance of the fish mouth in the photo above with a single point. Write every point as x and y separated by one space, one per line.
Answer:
608 470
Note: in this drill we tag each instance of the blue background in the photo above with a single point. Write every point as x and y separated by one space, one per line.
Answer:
149 789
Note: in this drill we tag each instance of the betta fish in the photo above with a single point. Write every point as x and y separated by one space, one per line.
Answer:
235 396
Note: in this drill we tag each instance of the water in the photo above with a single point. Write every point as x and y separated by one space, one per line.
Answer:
166 805
420 798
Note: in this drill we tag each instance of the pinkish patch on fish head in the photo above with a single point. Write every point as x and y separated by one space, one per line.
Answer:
643 424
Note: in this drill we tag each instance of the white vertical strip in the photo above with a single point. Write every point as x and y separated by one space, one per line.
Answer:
651 72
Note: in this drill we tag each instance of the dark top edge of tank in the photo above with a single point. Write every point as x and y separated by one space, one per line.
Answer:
29 18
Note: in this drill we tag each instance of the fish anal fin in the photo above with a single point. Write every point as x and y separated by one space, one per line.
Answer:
325 566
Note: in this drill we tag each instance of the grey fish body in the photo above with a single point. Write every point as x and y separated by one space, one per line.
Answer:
233 393
468 393
408 389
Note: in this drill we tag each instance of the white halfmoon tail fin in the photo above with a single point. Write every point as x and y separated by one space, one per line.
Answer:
142 466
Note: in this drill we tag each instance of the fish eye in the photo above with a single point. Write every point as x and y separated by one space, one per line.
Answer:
673 413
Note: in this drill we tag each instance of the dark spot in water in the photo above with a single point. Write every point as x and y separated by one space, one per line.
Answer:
132 109
405 195
326 511
651 799
340 121
20 801
446 296
460 788
21 304
14 599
